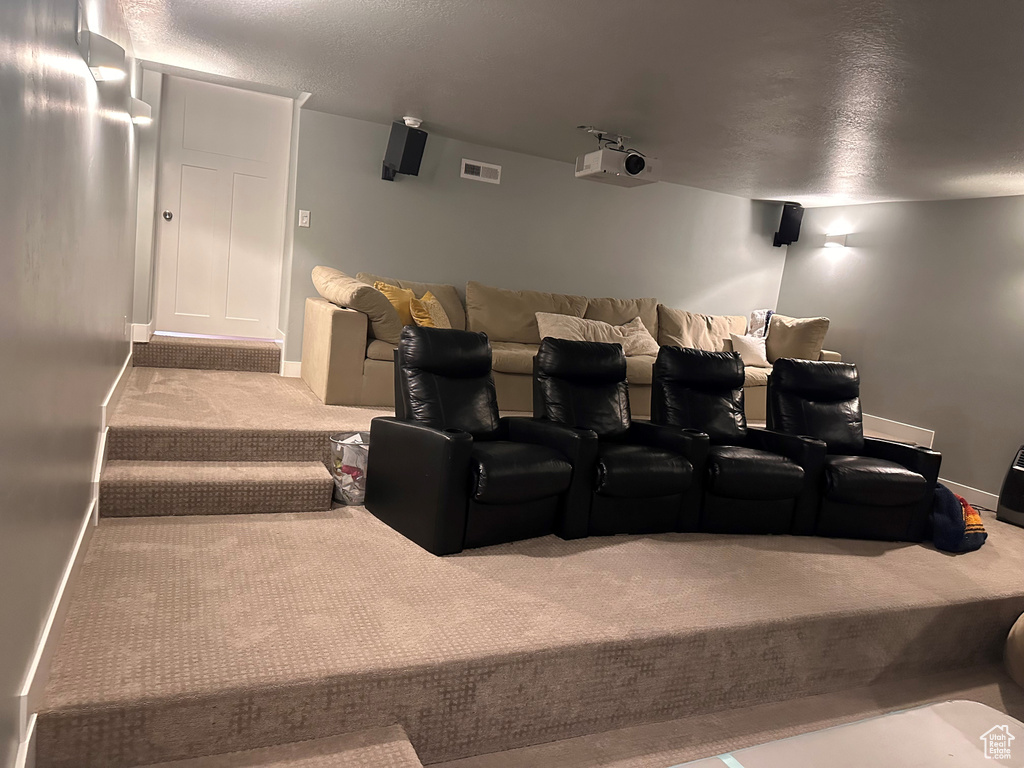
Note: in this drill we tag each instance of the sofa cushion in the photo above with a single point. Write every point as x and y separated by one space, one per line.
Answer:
799 338
619 311
747 473
511 473
872 482
640 472
754 376
446 294
512 357
679 328
512 315
338 288
632 336
640 369
378 349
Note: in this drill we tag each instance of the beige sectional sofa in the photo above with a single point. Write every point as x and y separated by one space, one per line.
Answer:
345 365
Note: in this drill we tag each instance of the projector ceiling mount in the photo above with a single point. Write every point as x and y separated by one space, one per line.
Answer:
607 139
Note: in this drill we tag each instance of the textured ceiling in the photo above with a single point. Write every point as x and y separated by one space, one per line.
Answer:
821 101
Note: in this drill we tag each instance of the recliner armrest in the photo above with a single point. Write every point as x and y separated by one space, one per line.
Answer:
690 443
916 458
579 446
417 481
830 356
808 452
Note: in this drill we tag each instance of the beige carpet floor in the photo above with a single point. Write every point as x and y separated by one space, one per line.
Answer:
195 635
210 354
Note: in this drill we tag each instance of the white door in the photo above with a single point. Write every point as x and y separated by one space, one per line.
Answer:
221 214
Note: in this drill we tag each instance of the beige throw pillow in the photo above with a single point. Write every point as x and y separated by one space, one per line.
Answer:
338 288
679 328
633 336
750 349
619 311
512 315
800 338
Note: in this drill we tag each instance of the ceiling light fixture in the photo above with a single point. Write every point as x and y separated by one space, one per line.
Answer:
835 241
104 57
142 113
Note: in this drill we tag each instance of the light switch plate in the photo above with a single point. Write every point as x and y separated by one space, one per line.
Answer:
303 218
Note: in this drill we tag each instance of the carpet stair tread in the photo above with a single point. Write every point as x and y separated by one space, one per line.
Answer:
374 748
151 488
251 355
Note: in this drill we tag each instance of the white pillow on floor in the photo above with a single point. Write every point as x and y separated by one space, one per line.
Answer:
751 350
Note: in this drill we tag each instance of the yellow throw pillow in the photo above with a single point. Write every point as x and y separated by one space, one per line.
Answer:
428 312
400 298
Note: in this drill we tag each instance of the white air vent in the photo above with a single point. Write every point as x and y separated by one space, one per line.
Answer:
477 171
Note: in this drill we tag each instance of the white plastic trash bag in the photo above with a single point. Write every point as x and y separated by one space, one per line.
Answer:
349 454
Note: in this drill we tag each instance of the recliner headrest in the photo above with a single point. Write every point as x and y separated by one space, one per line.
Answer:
447 352
699 369
589 362
816 379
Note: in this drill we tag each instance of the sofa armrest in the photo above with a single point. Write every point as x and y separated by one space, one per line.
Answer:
579 446
916 458
333 351
417 481
830 356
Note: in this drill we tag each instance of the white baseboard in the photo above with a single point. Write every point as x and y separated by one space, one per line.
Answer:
142 331
291 369
887 429
973 495
26 757
114 395
38 672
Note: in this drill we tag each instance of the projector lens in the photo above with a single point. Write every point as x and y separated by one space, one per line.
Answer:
635 164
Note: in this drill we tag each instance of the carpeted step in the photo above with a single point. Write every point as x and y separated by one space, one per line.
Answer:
208 354
190 444
376 748
153 488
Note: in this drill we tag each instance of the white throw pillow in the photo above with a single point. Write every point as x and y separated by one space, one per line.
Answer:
750 349
633 336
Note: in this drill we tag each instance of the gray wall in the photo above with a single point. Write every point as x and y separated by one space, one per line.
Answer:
540 228
67 231
928 300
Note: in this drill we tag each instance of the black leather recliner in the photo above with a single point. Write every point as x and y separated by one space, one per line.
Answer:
447 472
644 478
870 489
757 481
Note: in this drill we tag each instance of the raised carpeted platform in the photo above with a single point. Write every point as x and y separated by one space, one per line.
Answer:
167 414
207 353
189 636
375 748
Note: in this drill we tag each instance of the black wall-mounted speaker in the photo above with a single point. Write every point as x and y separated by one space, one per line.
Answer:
404 152
1011 498
789 227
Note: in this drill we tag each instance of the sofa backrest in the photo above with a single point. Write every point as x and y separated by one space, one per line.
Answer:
582 384
621 311
700 390
512 315
820 399
446 294
443 380
679 328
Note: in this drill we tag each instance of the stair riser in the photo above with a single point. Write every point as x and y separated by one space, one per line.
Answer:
156 355
154 499
155 444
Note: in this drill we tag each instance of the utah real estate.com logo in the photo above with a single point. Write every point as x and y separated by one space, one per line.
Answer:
997 742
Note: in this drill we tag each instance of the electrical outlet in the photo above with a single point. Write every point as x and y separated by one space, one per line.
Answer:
303 218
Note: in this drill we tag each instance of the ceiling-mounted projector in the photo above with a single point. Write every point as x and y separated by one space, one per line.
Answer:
621 167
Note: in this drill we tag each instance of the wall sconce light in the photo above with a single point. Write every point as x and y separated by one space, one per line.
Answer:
142 113
835 241
104 57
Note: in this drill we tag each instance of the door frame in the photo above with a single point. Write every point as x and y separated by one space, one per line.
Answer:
146 268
